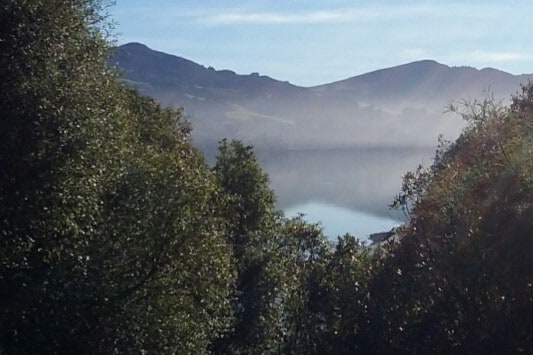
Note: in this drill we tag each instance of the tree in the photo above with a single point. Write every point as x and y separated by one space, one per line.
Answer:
253 231
111 239
351 268
307 255
458 281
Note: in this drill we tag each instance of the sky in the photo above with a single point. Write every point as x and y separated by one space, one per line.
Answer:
312 42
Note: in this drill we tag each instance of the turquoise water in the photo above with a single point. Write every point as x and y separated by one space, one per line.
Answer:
337 220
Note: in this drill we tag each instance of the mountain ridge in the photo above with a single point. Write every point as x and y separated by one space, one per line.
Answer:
428 79
418 64
401 105
141 62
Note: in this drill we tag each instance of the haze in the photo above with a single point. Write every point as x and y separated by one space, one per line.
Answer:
346 143
343 98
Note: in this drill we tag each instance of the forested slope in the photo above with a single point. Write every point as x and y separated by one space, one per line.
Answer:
461 280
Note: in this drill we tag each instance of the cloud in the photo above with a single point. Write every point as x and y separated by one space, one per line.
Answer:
339 37
483 58
271 18
359 14
497 57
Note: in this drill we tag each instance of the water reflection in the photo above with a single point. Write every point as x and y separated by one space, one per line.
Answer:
357 185
337 221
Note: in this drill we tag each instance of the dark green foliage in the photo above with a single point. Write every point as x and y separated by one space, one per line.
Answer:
250 205
327 306
109 235
351 267
460 281
308 253
253 227
115 236
295 293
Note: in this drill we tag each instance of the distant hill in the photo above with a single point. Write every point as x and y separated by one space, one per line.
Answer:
402 105
426 81
164 72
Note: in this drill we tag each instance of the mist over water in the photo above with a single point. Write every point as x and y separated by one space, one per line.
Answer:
338 221
294 129
347 190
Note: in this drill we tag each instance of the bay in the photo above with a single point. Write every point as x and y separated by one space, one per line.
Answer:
346 190
337 221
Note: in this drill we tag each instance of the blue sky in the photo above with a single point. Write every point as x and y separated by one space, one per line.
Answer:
315 42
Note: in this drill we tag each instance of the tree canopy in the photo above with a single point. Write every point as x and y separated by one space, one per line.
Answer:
110 240
460 280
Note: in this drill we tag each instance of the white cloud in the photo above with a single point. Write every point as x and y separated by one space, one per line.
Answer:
420 11
339 37
504 60
270 18
497 57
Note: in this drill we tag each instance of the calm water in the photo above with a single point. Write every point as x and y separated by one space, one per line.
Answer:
337 221
347 190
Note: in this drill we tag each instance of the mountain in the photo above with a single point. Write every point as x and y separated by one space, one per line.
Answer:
165 73
426 81
397 106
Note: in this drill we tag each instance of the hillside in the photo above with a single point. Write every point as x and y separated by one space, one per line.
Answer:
397 106
425 81
162 73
